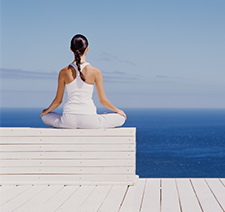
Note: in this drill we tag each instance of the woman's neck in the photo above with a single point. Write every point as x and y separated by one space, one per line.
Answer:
82 59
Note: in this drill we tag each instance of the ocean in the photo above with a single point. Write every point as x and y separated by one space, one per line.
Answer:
171 143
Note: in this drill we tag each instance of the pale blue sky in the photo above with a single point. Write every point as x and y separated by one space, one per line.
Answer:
151 53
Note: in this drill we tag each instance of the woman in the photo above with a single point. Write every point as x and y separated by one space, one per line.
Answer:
79 78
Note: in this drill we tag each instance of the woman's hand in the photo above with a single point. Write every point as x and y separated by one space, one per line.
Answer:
45 111
121 112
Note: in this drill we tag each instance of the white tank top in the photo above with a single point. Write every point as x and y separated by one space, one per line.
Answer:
79 95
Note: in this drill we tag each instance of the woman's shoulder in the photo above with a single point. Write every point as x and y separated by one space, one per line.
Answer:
93 68
66 73
66 69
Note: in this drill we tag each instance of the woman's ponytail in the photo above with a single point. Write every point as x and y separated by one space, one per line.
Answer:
79 43
77 59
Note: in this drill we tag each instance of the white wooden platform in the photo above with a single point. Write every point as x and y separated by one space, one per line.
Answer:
93 171
149 195
67 156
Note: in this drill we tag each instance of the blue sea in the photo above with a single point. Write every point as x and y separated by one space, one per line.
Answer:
171 143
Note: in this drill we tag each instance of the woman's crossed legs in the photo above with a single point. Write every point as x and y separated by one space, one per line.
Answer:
83 121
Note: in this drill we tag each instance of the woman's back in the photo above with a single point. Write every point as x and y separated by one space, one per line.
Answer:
79 92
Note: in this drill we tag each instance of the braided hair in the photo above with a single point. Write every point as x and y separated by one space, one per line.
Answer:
79 43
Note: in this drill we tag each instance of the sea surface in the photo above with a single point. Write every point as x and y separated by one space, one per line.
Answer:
171 143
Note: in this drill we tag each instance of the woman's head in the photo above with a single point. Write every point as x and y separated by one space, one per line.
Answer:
79 44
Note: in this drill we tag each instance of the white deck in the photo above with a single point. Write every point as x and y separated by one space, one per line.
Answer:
91 170
149 195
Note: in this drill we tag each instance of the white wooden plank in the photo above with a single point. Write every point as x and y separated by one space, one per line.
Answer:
96 198
22 198
133 199
69 148
114 199
218 190
66 140
49 179
58 162
70 155
12 193
67 132
76 199
65 169
151 198
189 202
4 188
39 199
56 200
205 196
170 201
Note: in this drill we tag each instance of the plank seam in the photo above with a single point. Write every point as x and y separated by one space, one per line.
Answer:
54 194
142 198
214 194
67 197
60 144
196 194
15 196
104 198
100 159
66 158
67 151
222 182
178 196
125 194
87 196
99 174
30 198
74 136
41 166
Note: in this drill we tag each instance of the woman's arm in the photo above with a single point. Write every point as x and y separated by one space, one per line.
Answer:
59 95
101 94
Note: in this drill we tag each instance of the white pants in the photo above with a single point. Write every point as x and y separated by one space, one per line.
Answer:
73 121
